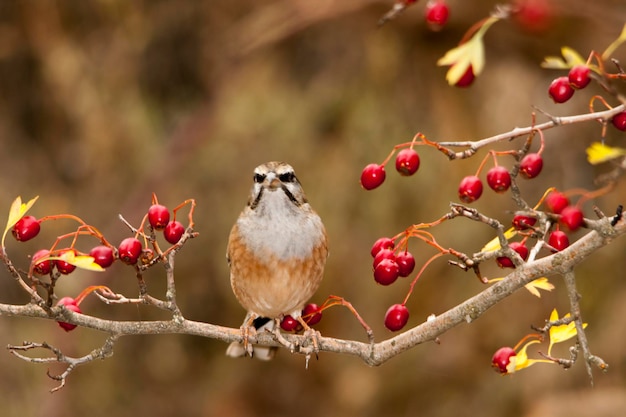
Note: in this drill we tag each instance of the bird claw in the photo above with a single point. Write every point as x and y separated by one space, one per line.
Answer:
281 339
311 336
246 331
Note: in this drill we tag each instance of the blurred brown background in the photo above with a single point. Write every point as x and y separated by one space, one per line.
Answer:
104 102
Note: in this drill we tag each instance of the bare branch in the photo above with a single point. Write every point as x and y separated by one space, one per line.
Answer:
474 146
103 352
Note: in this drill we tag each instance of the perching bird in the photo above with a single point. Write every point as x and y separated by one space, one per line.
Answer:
277 251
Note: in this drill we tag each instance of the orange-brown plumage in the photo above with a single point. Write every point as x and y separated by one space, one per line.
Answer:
273 287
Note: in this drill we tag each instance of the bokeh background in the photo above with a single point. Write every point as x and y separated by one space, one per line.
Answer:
104 102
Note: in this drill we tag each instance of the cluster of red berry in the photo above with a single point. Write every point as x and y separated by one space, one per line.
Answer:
311 314
570 218
562 89
388 266
55 262
499 178
407 163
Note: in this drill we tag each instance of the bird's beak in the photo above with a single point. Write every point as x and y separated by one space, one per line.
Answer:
274 183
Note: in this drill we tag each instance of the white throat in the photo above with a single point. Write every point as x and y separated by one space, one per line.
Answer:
277 227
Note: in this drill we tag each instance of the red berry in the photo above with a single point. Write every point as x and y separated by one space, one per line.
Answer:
406 263
311 314
173 232
571 218
558 240
386 272
521 222
42 267
556 202
534 16
579 76
437 13
467 78
407 162
499 179
63 266
619 121
380 244
520 248
372 176
383 254
26 228
560 90
158 216
102 255
289 324
470 189
129 250
531 165
396 317
502 359
70 304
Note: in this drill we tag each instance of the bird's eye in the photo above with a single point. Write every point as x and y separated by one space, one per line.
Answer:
259 178
287 177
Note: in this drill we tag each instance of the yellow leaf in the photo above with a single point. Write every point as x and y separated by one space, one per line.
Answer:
562 332
572 57
494 244
16 212
554 62
460 58
521 360
86 262
614 45
598 153
470 53
539 284
80 261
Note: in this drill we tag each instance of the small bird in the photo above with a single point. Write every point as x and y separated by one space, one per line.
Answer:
277 251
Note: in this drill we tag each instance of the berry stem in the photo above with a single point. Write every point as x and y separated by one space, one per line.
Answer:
525 338
192 202
482 164
542 141
84 293
335 300
408 295
590 195
543 197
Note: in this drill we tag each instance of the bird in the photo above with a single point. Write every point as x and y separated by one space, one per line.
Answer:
277 251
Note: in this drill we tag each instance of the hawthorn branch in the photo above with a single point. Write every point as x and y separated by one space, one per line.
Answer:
103 352
372 354
474 146
574 298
